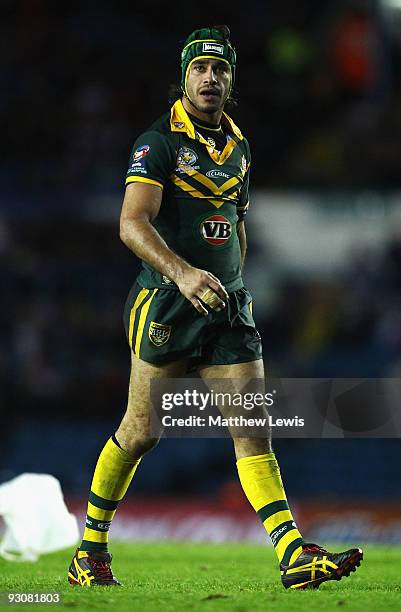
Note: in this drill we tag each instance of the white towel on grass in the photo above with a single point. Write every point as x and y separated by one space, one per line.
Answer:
36 518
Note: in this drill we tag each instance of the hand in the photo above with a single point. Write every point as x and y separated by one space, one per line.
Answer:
202 288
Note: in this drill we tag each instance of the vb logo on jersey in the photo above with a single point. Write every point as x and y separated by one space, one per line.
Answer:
159 333
216 230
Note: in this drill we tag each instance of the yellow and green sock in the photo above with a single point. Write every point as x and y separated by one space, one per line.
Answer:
114 471
261 481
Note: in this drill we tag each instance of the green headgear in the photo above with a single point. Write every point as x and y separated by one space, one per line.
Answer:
207 42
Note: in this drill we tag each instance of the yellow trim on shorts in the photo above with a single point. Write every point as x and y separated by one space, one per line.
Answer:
141 324
139 299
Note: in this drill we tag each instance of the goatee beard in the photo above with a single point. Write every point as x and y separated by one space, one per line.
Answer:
208 110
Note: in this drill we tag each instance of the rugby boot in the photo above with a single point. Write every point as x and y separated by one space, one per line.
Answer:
91 568
316 565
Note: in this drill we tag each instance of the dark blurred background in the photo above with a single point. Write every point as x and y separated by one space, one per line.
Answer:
319 87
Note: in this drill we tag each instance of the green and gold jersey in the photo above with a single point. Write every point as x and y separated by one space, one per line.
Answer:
205 193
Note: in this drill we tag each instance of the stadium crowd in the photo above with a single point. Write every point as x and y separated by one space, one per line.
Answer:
318 89
319 92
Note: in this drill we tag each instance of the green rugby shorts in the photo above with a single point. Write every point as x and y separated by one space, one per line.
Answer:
162 326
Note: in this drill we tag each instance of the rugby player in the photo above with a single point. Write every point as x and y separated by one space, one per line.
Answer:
183 215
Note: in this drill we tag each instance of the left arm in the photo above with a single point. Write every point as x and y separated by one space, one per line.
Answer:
242 241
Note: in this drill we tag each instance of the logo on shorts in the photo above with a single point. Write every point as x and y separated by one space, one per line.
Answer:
216 230
166 280
186 157
179 124
213 47
159 333
141 152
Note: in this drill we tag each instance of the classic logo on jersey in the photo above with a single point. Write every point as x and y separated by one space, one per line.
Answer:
179 124
217 174
213 47
211 142
141 152
186 157
216 230
159 333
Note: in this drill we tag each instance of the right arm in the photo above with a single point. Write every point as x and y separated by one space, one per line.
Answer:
140 208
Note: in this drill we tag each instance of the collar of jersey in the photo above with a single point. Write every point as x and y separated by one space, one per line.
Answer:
180 122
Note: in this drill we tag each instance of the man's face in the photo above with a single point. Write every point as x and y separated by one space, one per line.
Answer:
208 84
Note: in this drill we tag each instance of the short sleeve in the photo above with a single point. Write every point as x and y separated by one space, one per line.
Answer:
243 203
152 160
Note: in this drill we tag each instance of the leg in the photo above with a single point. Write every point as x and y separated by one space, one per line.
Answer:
133 433
259 472
121 455
244 447
115 469
302 565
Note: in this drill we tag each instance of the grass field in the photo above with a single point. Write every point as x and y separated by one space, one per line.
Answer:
234 577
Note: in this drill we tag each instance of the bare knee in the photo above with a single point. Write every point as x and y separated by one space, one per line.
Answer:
140 446
136 445
250 447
